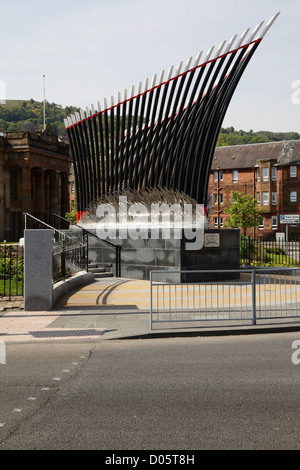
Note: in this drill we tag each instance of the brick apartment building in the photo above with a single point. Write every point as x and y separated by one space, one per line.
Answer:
34 178
270 172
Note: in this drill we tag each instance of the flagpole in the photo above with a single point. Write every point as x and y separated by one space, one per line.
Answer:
44 104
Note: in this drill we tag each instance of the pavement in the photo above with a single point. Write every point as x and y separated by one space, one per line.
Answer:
109 309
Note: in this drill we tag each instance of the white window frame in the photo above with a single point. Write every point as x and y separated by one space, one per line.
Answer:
293 196
293 171
258 198
221 175
221 198
215 198
261 224
235 176
215 176
221 221
274 226
274 173
265 173
257 175
274 198
265 198
215 222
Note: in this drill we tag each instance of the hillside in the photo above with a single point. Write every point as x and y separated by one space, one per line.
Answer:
230 136
18 115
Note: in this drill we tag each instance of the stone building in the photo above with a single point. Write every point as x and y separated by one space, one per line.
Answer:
34 178
270 172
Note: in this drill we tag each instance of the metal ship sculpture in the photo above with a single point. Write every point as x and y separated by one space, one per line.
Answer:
162 134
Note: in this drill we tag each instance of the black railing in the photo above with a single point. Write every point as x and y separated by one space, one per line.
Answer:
70 255
269 252
11 271
86 233
69 259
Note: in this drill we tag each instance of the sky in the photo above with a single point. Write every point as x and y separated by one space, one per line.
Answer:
92 49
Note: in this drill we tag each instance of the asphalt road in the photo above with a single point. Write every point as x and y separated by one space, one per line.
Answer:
233 392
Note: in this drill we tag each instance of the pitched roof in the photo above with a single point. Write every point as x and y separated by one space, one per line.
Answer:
286 152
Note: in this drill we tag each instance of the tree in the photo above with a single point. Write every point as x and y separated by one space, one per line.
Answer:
72 215
243 211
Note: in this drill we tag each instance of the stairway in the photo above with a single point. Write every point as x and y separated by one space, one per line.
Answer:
100 271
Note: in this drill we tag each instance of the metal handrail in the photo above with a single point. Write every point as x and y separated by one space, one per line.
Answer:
66 244
64 236
85 231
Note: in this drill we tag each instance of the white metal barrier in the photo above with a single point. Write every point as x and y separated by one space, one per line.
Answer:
226 295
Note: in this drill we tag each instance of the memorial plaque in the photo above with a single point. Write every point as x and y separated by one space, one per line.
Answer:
212 240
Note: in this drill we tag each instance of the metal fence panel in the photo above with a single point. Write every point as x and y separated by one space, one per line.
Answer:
11 271
269 251
227 295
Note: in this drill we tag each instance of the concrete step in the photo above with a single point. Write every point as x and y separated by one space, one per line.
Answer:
103 274
92 265
96 270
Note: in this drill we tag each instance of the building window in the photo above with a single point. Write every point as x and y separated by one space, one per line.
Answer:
293 196
261 224
221 175
274 222
215 198
293 171
235 176
274 198
258 199
265 174
265 198
221 222
215 176
72 187
13 184
221 198
274 173
215 222
257 174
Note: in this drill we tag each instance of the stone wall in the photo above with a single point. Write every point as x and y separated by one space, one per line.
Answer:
221 250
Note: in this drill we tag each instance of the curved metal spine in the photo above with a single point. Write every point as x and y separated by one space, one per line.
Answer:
117 147
179 121
107 152
127 147
74 151
82 158
149 157
219 116
159 124
112 141
144 140
123 127
87 160
97 156
199 148
93 170
132 142
102 152
162 157
176 150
